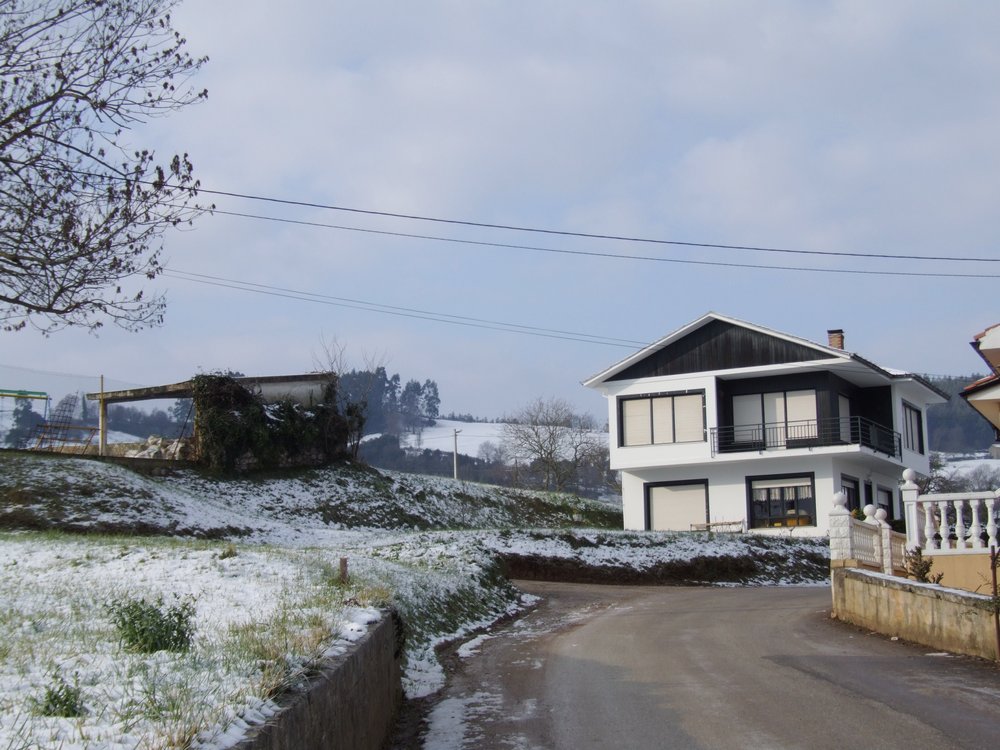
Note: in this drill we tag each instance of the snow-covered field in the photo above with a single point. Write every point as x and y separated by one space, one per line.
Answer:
263 581
471 435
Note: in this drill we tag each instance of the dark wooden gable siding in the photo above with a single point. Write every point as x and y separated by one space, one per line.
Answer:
718 345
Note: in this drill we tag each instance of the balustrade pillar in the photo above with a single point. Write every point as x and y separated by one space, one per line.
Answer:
911 510
960 540
976 529
991 522
840 529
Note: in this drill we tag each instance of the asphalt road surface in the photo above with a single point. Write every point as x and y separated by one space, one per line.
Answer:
666 667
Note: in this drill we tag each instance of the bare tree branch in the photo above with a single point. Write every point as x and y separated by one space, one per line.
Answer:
81 215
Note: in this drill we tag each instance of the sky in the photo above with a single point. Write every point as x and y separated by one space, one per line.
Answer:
820 127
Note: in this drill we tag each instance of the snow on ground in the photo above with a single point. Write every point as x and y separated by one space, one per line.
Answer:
272 569
471 436
441 436
963 464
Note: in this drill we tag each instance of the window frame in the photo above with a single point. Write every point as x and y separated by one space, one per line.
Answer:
651 413
851 487
647 492
769 521
913 442
781 430
890 508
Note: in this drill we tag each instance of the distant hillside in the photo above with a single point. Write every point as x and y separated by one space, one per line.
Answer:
955 427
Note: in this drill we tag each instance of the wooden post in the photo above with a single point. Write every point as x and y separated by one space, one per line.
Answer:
102 423
343 570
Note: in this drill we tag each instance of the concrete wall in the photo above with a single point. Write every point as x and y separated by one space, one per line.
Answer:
966 571
937 617
350 705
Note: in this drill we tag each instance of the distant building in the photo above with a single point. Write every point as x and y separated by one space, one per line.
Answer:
984 394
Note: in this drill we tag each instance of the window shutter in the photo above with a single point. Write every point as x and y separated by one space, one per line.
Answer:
635 414
800 407
689 418
663 420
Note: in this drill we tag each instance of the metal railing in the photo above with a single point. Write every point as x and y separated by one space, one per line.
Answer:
806 434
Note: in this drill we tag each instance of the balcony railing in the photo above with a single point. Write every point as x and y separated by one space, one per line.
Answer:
806 434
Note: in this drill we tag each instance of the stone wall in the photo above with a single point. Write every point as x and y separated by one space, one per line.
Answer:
350 705
938 617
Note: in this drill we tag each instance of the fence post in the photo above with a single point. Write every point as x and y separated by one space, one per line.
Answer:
911 510
871 518
888 564
840 530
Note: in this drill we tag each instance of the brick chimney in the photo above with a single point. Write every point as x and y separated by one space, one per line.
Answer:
836 338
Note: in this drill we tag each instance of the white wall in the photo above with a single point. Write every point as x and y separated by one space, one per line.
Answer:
657 455
727 490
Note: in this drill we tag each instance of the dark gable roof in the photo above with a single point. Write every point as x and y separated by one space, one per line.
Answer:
720 345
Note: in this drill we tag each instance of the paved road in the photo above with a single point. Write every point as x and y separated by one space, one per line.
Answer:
640 667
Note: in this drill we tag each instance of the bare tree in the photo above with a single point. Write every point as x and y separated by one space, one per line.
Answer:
82 211
552 440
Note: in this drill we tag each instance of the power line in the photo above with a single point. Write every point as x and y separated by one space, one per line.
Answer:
566 233
588 235
405 312
616 256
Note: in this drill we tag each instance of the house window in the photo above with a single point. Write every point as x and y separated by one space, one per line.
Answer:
913 429
664 418
781 501
774 419
849 486
884 500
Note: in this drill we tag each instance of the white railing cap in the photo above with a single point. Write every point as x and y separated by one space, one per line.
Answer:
953 496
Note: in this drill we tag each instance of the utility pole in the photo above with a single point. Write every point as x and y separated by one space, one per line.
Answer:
455 454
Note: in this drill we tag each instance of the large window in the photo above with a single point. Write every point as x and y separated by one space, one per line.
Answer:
773 419
913 429
664 418
781 501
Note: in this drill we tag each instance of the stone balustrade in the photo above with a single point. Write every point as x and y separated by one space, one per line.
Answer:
870 543
949 523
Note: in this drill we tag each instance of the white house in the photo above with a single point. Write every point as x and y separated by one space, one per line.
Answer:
727 421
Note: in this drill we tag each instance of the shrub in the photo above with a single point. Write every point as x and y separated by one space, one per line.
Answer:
61 698
920 569
238 431
146 627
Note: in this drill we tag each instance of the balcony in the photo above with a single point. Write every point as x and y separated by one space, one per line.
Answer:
806 434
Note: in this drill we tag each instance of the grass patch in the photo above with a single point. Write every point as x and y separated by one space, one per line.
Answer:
60 698
146 627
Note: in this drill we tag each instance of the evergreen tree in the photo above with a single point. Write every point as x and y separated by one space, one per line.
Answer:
431 399
24 422
409 404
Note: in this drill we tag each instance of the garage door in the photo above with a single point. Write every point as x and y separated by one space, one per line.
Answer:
674 507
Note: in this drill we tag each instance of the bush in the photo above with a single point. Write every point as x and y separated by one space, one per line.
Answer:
238 431
146 627
61 698
919 569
